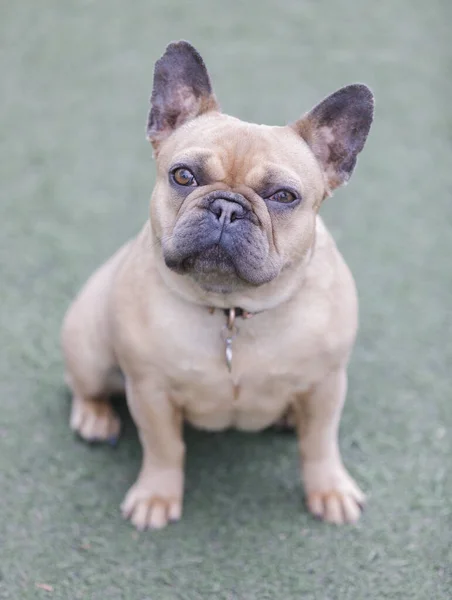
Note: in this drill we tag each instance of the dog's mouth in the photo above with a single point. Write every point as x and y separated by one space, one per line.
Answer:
212 260
213 269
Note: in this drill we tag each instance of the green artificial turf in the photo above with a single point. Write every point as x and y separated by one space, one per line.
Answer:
76 174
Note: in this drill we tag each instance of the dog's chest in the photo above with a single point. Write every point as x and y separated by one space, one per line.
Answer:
268 370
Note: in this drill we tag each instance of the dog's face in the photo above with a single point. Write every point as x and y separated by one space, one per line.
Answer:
235 203
232 206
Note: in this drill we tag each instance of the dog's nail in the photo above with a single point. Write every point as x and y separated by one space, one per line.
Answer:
113 441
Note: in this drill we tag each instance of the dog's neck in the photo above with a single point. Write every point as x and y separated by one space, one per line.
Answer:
240 304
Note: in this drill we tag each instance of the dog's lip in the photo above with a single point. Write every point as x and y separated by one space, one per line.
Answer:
216 256
214 276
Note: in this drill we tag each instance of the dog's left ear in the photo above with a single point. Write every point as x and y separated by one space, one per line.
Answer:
336 130
181 91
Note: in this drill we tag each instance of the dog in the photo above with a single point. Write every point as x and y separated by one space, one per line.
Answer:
232 307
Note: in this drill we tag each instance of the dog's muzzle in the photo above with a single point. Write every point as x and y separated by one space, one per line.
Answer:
220 239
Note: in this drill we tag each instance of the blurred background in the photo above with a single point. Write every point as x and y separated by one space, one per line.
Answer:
76 174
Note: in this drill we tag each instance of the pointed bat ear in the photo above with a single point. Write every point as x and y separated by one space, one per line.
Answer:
336 130
181 91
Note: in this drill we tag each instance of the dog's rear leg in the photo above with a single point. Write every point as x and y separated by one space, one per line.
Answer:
89 364
92 415
89 356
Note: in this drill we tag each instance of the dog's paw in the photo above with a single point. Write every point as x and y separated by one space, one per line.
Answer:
95 421
331 494
154 501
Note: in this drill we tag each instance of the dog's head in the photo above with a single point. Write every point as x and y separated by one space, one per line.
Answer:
235 203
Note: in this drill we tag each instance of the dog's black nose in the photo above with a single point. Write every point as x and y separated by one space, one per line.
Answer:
227 211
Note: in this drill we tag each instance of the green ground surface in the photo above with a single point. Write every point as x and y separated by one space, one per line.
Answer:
76 174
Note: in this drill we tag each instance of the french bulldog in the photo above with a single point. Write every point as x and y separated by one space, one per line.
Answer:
232 307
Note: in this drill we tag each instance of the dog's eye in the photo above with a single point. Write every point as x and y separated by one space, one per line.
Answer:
183 176
283 196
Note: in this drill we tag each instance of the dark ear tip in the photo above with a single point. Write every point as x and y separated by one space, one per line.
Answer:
180 44
180 47
361 92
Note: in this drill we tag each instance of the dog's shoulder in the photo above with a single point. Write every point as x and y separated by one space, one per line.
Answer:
326 304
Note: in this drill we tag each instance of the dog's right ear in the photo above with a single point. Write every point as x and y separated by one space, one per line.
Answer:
181 91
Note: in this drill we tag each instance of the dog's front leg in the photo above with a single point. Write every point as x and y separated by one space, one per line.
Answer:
156 497
331 493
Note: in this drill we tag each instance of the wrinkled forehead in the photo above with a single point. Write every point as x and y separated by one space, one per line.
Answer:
236 153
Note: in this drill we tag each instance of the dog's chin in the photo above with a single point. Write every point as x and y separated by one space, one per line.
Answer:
214 261
215 270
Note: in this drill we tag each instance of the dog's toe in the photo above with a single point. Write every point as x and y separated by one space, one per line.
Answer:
334 507
151 505
332 495
151 513
95 422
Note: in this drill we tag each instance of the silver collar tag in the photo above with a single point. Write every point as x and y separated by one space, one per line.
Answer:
229 332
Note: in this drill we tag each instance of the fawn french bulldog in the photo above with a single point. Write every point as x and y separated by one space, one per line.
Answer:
232 306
